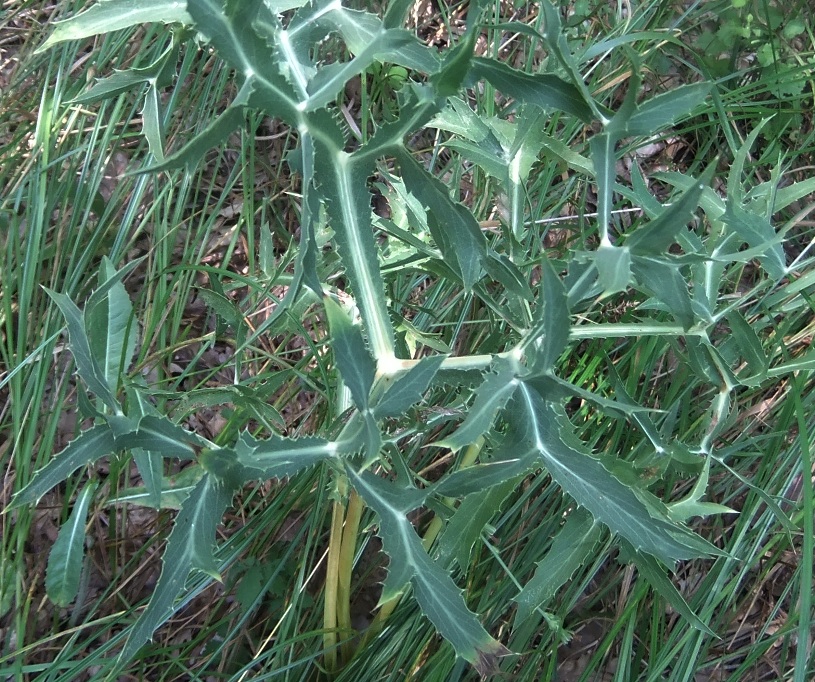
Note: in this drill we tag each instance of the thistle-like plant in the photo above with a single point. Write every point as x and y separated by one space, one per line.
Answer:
514 420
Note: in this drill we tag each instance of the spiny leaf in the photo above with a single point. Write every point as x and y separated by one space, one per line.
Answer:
541 90
604 159
464 528
650 569
547 338
88 447
438 596
665 282
148 462
114 335
355 364
613 265
113 15
159 434
65 560
491 396
189 547
657 235
664 110
408 389
489 473
454 229
749 345
572 546
543 427
278 457
245 51
344 185
87 364
759 234
692 504
190 155
556 390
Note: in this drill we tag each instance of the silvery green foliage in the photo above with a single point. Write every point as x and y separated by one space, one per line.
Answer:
518 404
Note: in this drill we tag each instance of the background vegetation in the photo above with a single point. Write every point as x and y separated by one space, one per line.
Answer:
212 248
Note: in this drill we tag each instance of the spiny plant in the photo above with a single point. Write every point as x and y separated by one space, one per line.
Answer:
514 409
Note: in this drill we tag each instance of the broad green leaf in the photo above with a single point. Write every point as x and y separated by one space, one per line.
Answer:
396 13
222 306
356 366
547 339
189 547
662 111
573 545
542 90
490 397
278 457
88 366
544 429
438 596
65 560
113 15
114 332
650 569
98 294
88 447
408 389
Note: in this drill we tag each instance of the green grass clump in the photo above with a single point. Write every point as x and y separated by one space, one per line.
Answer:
395 343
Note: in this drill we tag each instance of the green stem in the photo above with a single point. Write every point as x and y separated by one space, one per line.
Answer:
331 589
353 516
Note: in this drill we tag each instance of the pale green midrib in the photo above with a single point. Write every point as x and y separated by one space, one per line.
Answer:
375 315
